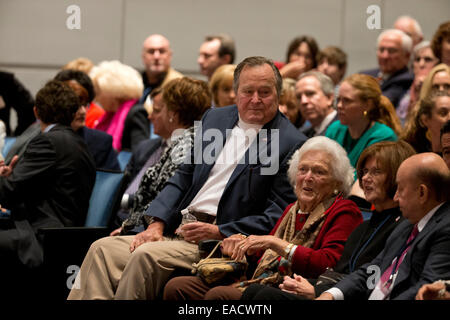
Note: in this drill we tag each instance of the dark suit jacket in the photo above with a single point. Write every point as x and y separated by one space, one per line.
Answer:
99 144
50 186
19 146
16 96
396 85
427 260
136 127
251 202
309 132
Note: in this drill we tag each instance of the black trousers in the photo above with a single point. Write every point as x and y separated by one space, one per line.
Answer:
262 292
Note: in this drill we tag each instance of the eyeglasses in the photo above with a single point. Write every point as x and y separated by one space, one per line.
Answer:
426 59
373 172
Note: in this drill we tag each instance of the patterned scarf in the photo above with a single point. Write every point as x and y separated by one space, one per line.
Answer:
268 269
155 178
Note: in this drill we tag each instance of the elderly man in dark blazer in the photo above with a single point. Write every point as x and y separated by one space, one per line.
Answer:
393 51
233 182
417 252
51 183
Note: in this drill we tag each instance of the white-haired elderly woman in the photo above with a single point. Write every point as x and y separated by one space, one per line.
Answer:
308 238
118 88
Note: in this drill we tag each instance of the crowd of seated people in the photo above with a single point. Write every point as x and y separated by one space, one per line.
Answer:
285 157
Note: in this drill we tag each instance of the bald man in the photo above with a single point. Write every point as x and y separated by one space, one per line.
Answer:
411 27
156 58
417 251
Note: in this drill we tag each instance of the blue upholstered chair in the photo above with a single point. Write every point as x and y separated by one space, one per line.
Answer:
123 157
9 141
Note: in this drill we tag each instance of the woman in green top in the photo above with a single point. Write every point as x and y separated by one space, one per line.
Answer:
365 116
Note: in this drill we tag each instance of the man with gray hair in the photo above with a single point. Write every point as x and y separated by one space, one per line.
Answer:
216 50
393 52
314 92
225 185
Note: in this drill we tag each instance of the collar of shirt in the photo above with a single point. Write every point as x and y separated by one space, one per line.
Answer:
49 127
423 222
326 121
246 126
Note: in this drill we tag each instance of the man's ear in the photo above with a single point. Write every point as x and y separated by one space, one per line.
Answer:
424 193
226 58
35 112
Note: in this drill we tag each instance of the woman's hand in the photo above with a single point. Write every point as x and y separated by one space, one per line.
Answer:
299 286
253 244
293 69
229 244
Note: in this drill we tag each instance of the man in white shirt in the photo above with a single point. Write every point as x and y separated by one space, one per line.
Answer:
417 250
234 182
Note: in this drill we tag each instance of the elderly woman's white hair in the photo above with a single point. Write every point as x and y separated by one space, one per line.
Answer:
117 80
341 169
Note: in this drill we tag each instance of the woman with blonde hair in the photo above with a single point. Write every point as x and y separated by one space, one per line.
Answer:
221 86
118 88
415 131
365 116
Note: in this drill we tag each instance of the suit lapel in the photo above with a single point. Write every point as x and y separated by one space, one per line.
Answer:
405 267
228 123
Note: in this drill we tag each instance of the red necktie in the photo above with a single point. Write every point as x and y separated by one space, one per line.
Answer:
388 275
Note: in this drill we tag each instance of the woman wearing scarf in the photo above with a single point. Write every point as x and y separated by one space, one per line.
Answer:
308 238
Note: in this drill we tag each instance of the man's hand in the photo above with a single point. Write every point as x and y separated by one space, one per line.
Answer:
154 232
196 231
325 296
6 170
431 292
116 232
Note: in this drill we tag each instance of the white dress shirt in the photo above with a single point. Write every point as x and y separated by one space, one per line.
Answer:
208 197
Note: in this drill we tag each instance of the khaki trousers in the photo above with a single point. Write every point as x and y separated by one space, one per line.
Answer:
109 271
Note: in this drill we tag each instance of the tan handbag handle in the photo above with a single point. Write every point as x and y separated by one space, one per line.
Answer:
213 250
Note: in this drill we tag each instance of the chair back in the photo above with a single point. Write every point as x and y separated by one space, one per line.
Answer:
102 198
123 157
